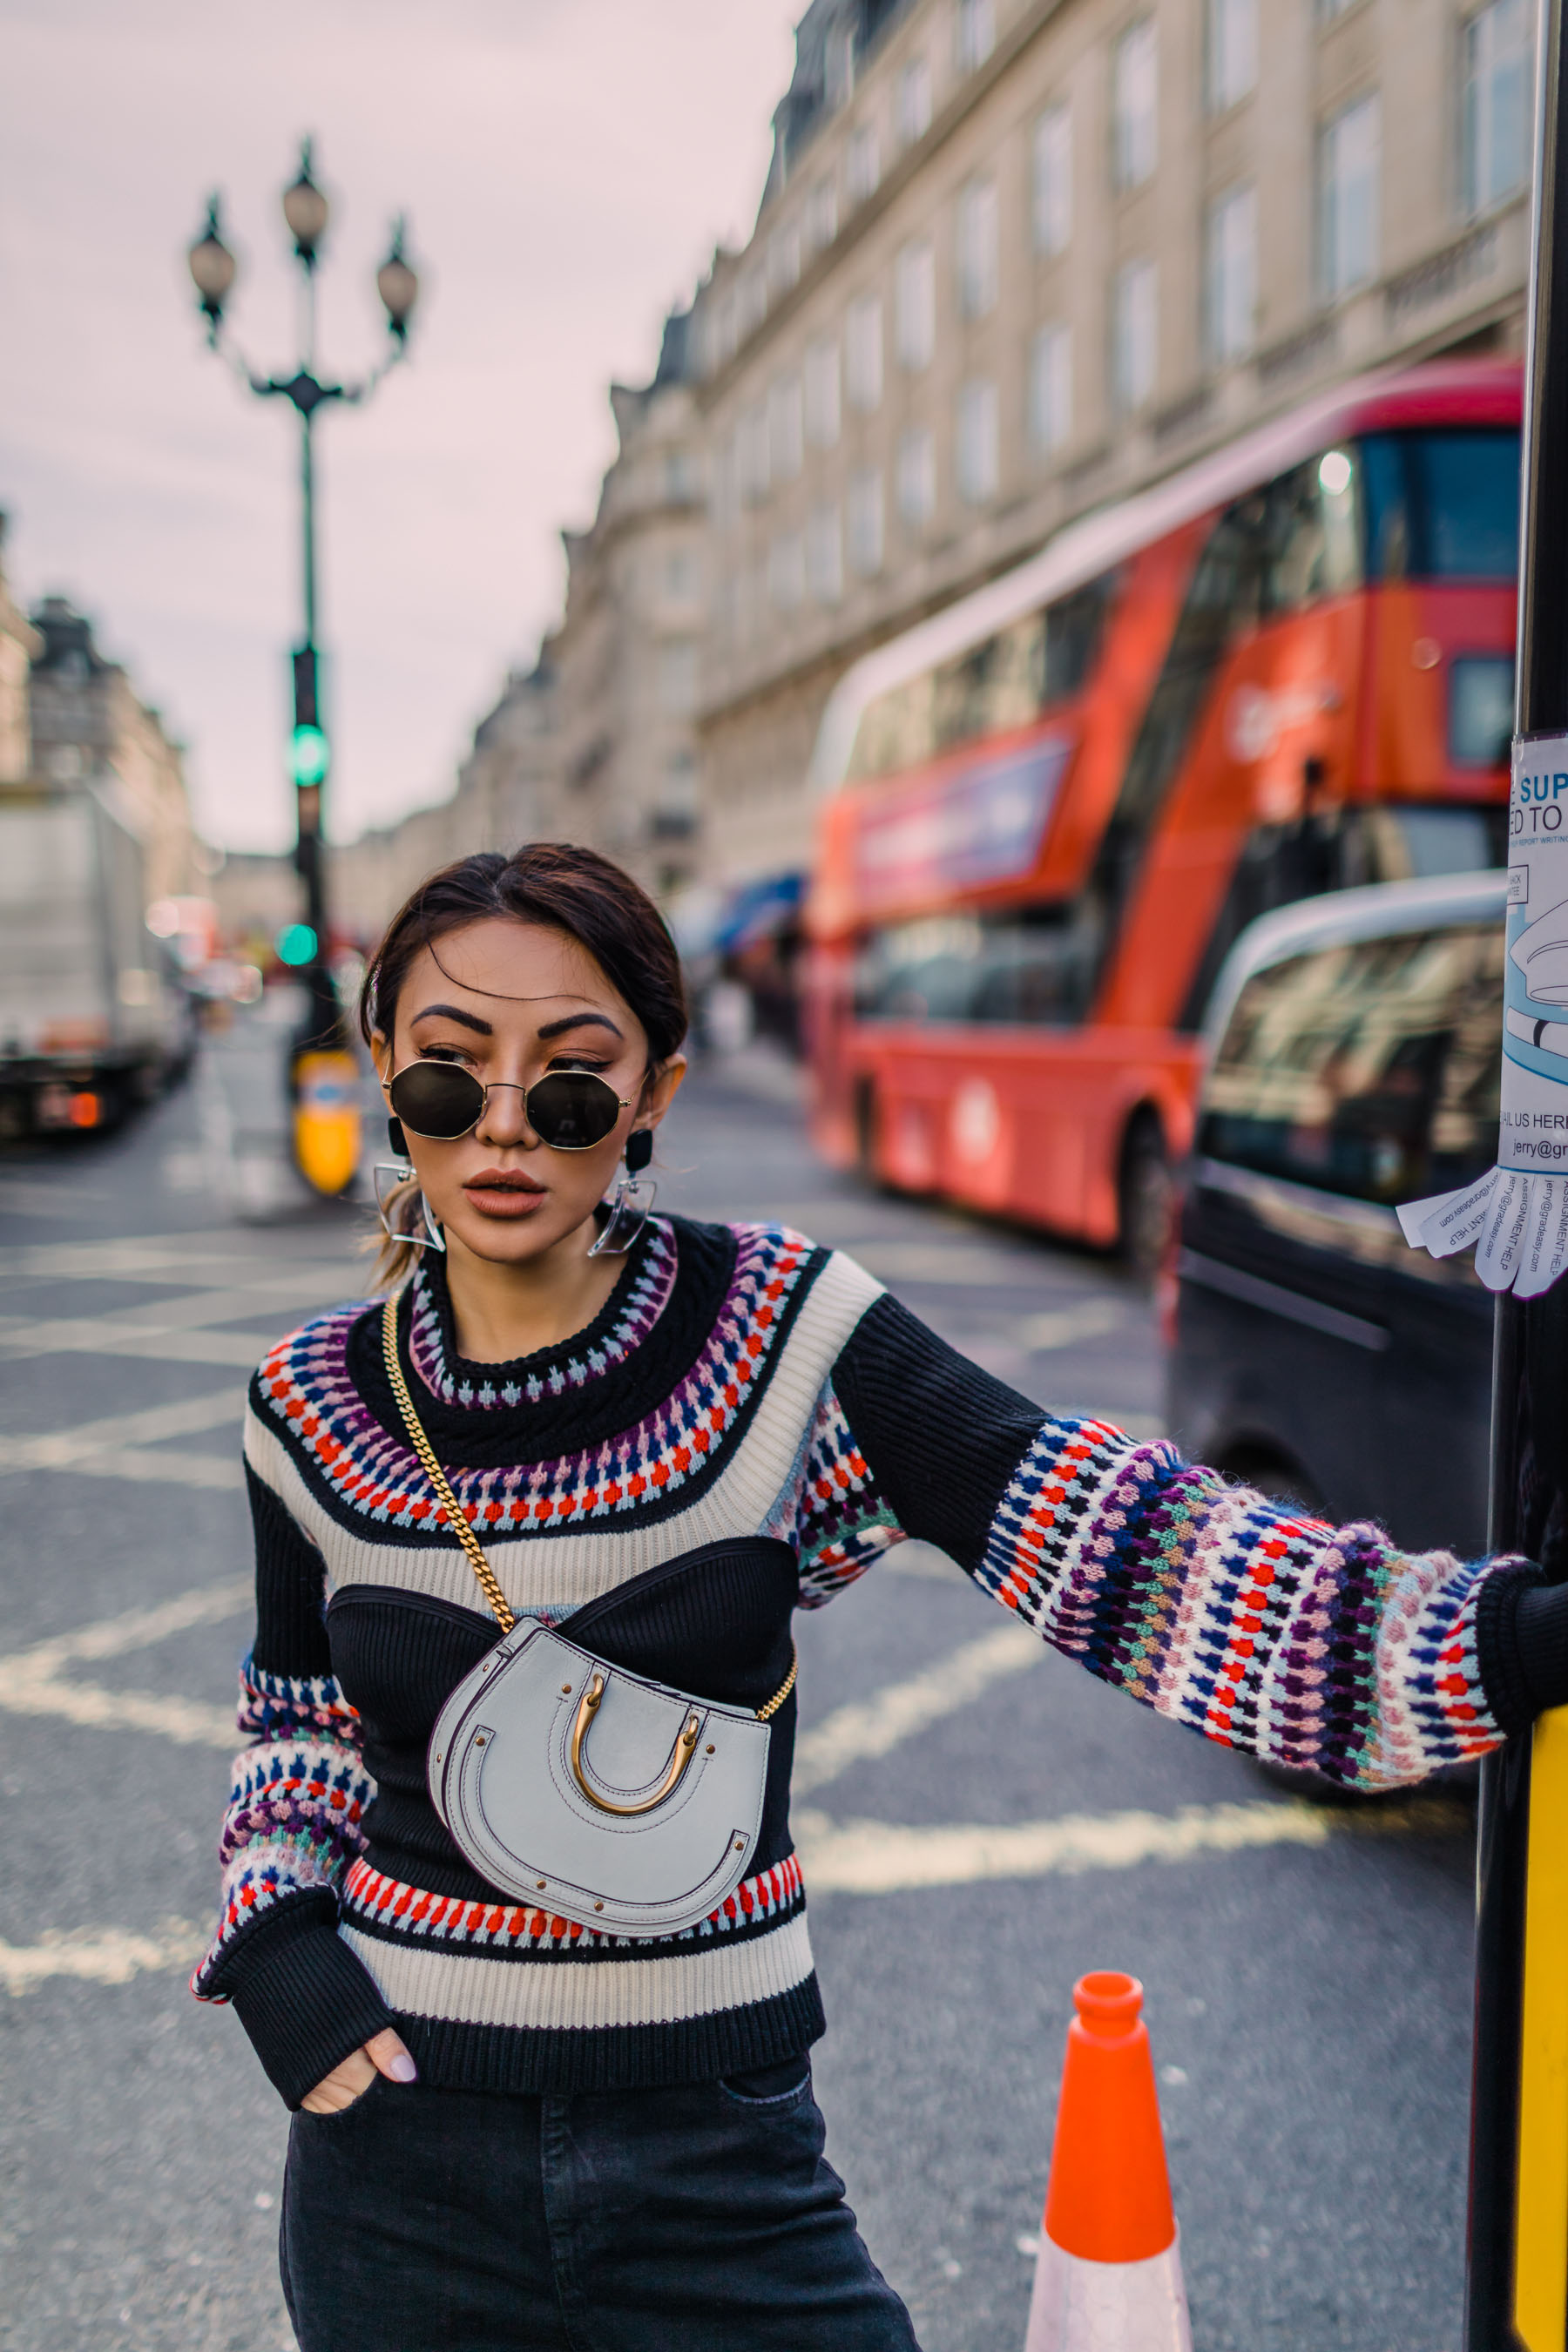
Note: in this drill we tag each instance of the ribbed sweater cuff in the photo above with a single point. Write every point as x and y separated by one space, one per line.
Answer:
307 2002
1522 1643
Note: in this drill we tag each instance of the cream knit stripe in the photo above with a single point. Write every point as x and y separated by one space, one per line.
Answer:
550 1572
565 1996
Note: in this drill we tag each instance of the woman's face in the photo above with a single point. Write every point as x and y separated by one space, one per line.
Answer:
510 1001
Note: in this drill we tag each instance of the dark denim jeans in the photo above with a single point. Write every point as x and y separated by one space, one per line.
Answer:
700 2219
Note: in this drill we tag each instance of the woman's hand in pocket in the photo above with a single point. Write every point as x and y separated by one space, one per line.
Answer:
383 2053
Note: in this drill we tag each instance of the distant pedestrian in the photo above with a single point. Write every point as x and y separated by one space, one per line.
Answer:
516 2127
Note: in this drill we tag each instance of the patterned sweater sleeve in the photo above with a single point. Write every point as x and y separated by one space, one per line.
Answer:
1264 1629
291 1828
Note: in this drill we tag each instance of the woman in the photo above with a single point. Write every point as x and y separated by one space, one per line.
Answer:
514 2128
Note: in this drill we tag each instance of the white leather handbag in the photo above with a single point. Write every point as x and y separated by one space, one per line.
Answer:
579 1788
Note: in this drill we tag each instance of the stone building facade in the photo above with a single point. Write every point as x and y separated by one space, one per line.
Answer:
20 646
1016 258
627 653
88 722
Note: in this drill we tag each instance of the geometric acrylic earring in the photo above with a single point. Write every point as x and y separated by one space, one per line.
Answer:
631 1201
394 1200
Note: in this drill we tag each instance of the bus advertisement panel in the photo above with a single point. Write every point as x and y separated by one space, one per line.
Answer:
1047 813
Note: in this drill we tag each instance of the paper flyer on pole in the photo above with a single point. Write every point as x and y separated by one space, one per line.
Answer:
1517 1216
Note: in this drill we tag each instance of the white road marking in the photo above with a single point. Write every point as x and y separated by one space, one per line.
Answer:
30 1680
77 1448
876 1725
1064 1327
166 1331
889 1858
108 1956
942 1262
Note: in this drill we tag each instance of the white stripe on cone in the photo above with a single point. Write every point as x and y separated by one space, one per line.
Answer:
1083 2307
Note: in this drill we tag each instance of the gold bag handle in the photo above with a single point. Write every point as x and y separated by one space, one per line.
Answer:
505 1616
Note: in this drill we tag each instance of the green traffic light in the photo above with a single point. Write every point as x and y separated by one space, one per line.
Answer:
309 756
296 944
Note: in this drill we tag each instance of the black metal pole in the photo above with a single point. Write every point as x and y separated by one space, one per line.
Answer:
1529 1370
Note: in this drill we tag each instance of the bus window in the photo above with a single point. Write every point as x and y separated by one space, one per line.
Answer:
1441 505
1480 709
1000 683
1030 966
1309 534
1369 1069
1341 849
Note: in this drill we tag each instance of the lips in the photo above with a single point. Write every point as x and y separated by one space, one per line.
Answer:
504 1193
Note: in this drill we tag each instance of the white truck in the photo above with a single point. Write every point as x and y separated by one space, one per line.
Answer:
93 1016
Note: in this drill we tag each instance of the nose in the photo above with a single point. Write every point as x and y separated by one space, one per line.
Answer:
504 1119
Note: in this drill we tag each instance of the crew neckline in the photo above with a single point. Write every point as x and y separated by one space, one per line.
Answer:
628 1315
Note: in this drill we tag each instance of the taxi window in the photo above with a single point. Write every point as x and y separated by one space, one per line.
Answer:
1369 1069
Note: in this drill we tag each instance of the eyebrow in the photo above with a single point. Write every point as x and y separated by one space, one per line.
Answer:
578 1020
455 1013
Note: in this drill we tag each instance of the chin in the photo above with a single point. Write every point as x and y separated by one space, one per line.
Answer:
511 1240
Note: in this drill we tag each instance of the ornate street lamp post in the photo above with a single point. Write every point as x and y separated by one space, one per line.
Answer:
323 1075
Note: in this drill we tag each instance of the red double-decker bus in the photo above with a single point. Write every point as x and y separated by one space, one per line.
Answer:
1048 812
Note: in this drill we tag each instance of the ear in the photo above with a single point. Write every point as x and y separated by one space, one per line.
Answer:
381 1054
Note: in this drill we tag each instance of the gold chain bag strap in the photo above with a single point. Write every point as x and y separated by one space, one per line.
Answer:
646 1838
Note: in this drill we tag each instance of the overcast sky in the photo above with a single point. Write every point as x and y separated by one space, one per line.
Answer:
567 167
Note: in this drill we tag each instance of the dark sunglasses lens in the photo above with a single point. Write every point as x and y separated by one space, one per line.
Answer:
571 1110
436 1100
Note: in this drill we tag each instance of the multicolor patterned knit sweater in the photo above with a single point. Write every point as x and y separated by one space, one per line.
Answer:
740 1382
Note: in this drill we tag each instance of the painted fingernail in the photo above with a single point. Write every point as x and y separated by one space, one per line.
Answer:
403 2069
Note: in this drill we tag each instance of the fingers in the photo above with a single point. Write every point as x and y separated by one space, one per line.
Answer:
340 2089
389 2056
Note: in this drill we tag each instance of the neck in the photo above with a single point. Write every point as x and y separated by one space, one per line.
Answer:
501 1312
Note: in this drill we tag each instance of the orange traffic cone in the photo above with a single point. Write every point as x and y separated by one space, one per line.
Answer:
1110 2271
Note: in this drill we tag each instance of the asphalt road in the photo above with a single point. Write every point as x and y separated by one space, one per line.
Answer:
981 1824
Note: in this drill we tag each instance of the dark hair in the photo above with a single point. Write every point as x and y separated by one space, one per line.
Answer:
573 891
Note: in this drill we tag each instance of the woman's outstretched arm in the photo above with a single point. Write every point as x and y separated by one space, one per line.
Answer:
1260 1627
290 1830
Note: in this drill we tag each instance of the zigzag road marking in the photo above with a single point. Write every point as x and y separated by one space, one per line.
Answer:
875 1726
30 1679
889 1858
105 1956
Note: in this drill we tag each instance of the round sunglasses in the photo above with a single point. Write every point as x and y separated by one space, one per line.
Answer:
569 1110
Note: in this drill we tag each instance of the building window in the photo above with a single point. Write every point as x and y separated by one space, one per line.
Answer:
911 101
976 248
914 305
1496 125
821 216
678 677
975 33
917 477
863 352
1134 335
1051 180
679 478
784 259
825 554
752 454
786 572
838 66
865 524
1135 90
1348 160
822 395
1231 275
1050 389
785 428
1231 52
975 471
863 166
681 576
